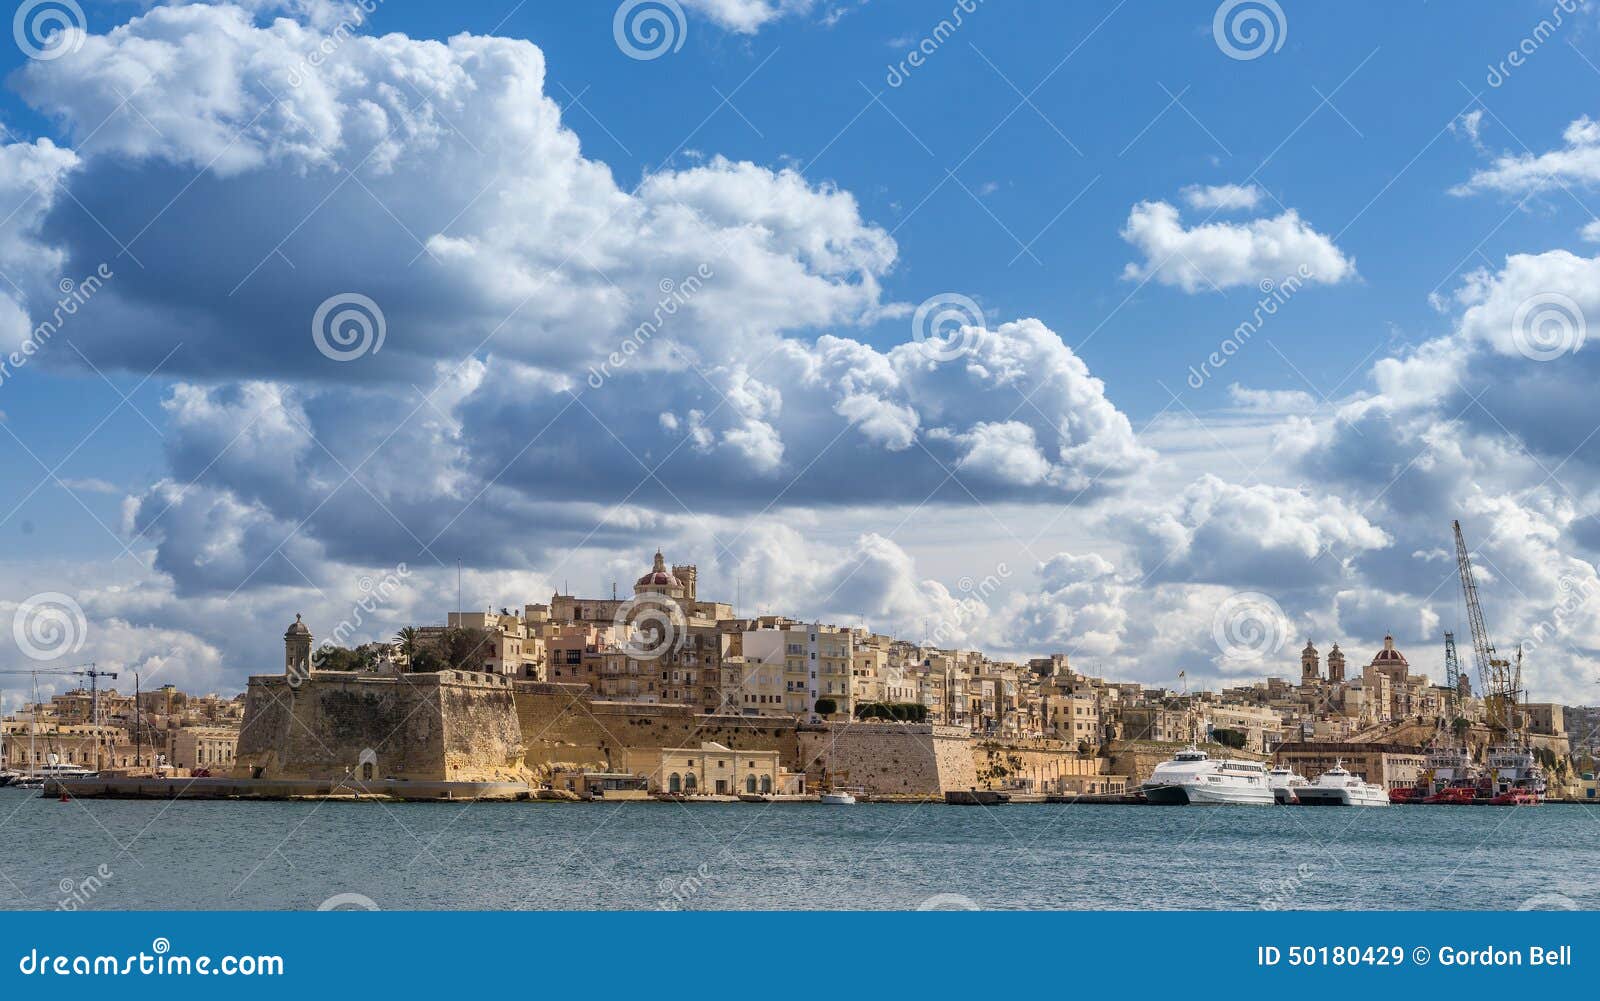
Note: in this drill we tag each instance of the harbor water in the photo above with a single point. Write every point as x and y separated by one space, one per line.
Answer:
142 854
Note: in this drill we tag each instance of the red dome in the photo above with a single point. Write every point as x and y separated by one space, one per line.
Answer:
1389 655
659 575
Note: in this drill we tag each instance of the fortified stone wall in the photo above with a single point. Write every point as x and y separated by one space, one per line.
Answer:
564 727
449 726
888 759
1034 764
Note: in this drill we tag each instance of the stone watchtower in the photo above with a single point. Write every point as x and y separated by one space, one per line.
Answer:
297 649
1336 665
1310 665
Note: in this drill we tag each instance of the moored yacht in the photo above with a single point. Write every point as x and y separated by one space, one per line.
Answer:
1285 785
1338 787
37 778
1193 776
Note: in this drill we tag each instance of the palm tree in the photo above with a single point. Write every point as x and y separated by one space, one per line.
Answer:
408 639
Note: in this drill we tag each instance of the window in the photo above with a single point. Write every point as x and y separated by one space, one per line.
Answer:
675 783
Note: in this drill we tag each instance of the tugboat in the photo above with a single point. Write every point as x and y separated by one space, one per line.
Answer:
1513 777
1451 779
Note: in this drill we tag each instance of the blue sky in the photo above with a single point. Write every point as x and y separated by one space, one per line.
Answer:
1008 169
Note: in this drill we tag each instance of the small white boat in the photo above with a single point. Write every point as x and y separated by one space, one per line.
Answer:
838 798
1192 776
1286 786
1338 787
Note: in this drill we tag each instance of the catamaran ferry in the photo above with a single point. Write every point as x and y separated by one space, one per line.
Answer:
1193 776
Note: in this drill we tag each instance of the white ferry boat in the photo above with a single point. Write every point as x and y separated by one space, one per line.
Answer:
1286 785
1193 776
1338 787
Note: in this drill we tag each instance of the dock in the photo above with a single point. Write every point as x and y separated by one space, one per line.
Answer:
976 797
393 790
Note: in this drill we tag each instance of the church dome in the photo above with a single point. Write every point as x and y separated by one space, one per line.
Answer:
297 628
1389 655
659 575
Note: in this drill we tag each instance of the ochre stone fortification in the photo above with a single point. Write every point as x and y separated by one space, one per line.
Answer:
446 727
564 727
889 759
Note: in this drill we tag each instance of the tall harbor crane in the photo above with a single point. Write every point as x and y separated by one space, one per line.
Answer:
1452 675
1497 678
88 671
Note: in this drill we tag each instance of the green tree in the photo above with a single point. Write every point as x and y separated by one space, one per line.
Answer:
826 707
409 640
